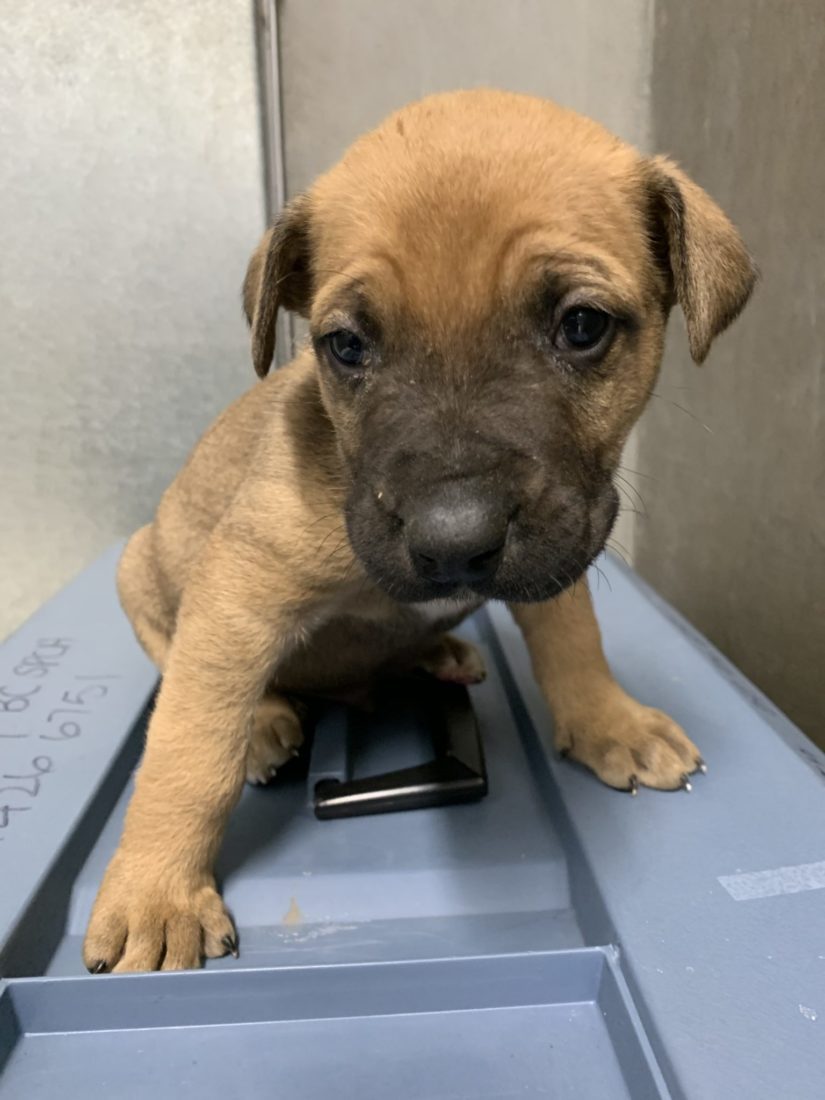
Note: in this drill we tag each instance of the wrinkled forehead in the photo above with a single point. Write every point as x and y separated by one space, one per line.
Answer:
450 246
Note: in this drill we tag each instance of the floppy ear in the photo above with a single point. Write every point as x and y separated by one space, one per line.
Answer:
278 275
711 271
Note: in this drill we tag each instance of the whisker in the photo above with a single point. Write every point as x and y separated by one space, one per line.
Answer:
636 473
632 488
627 510
332 531
682 408
320 271
620 550
601 573
320 519
682 389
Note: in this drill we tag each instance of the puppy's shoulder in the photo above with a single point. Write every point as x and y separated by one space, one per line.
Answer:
257 449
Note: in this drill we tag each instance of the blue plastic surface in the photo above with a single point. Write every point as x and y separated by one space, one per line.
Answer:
556 938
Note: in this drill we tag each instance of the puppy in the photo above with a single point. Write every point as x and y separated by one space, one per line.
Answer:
487 279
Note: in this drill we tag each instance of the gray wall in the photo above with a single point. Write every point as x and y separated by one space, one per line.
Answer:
131 197
346 65
736 528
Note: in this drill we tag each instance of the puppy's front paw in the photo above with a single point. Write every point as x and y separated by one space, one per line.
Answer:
627 744
149 921
276 737
453 660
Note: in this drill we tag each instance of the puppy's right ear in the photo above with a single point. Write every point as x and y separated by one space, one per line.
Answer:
279 274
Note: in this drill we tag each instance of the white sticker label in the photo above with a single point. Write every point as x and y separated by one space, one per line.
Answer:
781 880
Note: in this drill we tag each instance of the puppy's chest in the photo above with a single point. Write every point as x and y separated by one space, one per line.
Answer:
441 614
380 614
351 642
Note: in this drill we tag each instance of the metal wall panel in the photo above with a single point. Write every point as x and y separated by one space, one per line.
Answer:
130 199
736 529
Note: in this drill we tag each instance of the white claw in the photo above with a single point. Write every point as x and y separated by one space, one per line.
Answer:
703 768
294 752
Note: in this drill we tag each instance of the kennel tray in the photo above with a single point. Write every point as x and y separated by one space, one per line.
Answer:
554 938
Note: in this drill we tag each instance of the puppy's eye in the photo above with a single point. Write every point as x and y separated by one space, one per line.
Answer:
346 348
583 328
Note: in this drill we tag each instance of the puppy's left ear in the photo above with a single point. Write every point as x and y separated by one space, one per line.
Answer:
711 272
279 275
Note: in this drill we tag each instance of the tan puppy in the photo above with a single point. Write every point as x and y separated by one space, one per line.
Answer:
487 279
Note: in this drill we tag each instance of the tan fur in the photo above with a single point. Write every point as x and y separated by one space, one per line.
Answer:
245 590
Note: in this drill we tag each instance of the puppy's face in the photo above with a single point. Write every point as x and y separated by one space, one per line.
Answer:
487 280
481 413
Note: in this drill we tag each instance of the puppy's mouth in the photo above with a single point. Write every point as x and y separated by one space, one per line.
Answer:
449 545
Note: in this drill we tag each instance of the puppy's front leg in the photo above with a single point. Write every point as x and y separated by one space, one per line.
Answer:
158 902
597 723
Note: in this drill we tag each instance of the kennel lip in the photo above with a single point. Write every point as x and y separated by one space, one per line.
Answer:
585 985
730 993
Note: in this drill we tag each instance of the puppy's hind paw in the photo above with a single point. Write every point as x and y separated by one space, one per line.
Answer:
276 738
454 661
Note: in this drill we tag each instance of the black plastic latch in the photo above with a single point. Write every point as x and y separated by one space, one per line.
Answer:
455 773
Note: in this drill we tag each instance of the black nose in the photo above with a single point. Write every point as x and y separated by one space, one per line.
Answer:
456 536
